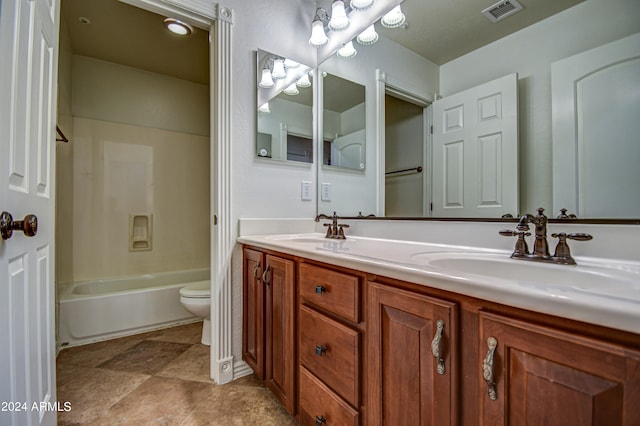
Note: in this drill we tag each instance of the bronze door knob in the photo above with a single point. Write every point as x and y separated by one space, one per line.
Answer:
7 225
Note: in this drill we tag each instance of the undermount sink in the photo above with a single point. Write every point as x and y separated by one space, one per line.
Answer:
594 279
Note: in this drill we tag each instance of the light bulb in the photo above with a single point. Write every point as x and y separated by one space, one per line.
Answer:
278 69
318 36
347 51
394 18
339 20
291 90
361 4
304 81
266 81
368 36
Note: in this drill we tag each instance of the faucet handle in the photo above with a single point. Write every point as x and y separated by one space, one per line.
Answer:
579 236
521 247
562 252
329 233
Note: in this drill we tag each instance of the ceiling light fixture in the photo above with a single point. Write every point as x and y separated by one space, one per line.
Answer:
368 36
347 51
178 27
394 18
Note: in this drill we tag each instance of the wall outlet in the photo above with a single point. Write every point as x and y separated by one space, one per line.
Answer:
325 192
305 194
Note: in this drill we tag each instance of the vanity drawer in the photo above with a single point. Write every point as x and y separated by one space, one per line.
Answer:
334 291
332 352
317 401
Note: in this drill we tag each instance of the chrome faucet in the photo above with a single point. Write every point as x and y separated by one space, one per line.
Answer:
540 251
335 230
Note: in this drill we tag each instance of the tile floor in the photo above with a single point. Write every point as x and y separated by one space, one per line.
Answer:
158 378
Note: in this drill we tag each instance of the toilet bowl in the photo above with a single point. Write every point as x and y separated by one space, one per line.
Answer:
196 298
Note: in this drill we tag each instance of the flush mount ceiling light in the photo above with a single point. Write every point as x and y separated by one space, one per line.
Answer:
178 27
347 51
368 36
394 18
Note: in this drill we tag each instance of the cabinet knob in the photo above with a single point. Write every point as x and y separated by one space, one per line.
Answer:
321 350
320 289
487 368
321 420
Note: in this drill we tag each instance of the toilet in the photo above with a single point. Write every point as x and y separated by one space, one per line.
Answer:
196 298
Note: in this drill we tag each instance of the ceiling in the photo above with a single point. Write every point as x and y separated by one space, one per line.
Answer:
439 30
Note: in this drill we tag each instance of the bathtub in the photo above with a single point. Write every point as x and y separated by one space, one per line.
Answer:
96 310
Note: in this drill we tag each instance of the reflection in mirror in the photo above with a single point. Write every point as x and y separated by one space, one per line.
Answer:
468 50
343 123
285 109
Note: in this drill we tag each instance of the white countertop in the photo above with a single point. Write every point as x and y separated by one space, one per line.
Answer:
597 291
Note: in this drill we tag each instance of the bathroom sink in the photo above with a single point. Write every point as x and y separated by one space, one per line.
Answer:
590 278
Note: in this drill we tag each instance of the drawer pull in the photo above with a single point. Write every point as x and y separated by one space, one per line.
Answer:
487 368
256 272
435 347
321 350
322 420
265 274
321 289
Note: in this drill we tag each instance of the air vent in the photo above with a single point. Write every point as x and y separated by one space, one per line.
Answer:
502 9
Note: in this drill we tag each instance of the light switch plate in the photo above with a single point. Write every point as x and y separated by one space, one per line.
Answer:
305 194
325 192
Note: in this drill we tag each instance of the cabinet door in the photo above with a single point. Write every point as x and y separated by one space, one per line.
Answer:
253 311
407 385
546 377
280 330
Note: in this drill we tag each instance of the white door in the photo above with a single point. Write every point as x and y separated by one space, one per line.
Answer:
28 79
475 151
595 109
348 151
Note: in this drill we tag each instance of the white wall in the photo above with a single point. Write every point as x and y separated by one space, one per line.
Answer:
136 150
530 53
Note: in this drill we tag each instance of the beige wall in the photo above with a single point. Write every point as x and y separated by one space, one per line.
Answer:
135 151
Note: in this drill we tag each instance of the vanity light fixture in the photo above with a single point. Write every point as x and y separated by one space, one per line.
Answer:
318 36
361 4
178 27
278 69
289 63
339 20
394 18
292 90
368 36
304 81
347 51
267 80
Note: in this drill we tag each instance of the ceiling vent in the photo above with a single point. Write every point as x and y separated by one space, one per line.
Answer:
502 9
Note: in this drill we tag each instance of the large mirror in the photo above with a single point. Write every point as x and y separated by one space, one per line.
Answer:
343 123
449 47
284 109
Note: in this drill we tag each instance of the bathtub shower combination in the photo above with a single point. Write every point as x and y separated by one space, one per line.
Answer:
102 309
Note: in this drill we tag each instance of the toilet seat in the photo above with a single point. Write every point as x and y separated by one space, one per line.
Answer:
196 290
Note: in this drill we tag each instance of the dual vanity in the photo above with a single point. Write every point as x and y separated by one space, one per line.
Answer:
381 331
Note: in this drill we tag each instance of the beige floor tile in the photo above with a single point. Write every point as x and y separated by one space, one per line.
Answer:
163 401
188 333
95 354
147 357
240 405
193 364
91 391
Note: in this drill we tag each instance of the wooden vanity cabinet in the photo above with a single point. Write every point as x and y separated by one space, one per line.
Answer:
412 358
329 345
268 337
542 376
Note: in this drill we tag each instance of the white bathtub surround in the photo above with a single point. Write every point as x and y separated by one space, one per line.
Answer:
603 289
103 309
